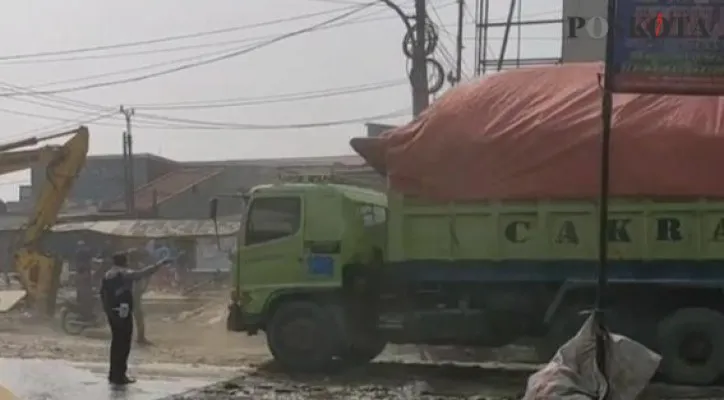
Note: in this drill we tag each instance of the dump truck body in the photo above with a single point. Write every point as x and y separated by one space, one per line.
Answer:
352 269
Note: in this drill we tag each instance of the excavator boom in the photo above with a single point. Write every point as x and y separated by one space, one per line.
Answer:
39 273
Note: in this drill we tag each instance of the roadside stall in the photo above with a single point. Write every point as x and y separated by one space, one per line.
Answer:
191 243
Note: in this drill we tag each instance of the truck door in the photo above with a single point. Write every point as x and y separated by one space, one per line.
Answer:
273 241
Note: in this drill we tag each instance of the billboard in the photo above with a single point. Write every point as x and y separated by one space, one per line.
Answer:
669 47
584 30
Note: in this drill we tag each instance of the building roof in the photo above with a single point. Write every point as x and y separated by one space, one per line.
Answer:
154 228
351 159
168 186
135 155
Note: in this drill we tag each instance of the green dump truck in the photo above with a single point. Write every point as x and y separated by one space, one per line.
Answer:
332 273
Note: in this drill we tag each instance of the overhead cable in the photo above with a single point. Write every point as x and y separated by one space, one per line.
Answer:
180 48
174 38
219 125
193 64
280 98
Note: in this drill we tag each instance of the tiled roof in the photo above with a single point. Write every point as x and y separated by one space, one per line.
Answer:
168 186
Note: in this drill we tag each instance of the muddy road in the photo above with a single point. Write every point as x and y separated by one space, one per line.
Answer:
198 340
198 337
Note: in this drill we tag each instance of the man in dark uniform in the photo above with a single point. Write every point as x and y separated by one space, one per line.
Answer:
117 297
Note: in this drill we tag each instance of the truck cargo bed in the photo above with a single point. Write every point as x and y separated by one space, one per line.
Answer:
556 241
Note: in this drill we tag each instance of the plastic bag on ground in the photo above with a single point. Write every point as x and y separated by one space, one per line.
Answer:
572 374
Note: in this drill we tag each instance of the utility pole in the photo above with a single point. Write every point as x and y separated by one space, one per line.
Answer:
459 61
420 91
128 162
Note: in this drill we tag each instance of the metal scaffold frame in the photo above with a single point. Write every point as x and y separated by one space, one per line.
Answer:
483 24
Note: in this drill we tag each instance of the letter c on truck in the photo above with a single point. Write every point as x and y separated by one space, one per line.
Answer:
516 231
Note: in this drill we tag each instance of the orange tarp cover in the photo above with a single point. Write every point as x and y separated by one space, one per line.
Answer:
535 133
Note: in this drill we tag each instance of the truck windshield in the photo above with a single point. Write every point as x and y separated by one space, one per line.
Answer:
272 218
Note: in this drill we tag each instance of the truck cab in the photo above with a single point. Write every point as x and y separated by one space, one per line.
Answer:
297 248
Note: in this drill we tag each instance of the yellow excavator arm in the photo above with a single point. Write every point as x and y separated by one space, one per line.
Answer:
38 272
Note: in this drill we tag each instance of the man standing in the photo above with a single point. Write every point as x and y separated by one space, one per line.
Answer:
84 280
118 304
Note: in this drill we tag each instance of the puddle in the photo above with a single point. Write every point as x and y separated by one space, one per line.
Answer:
60 380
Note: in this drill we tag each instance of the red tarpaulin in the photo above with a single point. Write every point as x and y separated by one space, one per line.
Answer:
535 133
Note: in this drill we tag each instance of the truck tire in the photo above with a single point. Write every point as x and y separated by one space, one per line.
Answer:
360 354
303 337
691 343
70 322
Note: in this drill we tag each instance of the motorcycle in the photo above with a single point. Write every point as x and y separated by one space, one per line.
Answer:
72 321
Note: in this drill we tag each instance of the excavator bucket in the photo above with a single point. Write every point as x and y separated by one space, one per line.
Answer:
40 273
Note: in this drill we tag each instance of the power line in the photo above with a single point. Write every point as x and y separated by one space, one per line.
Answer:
78 104
171 49
139 69
219 125
173 38
195 64
89 119
281 98
156 65
444 52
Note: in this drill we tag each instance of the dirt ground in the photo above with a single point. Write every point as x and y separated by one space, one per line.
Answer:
192 337
198 337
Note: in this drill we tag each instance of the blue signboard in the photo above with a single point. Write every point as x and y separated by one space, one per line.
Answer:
669 47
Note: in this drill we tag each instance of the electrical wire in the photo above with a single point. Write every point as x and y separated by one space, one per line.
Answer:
147 67
199 63
176 37
444 52
52 128
78 105
222 43
280 98
219 125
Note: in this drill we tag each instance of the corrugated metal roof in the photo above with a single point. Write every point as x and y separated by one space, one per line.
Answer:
351 159
153 228
168 186
136 155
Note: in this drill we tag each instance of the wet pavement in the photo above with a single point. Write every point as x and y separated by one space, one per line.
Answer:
61 380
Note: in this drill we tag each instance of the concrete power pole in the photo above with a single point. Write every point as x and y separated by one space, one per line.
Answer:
130 186
420 90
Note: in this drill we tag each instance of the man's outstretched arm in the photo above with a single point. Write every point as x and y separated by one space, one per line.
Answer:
146 272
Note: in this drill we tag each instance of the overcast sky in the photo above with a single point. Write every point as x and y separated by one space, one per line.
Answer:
354 53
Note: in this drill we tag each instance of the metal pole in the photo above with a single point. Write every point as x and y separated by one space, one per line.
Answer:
459 65
126 193
130 179
606 111
486 20
504 46
419 62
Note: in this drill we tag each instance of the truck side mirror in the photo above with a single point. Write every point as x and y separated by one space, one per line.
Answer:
213 208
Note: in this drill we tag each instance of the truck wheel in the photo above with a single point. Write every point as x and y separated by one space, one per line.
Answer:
691 343
303 337
363 353
71 322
